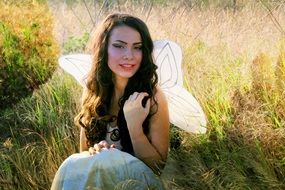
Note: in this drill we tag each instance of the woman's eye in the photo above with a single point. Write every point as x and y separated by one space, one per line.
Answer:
118 46
138 47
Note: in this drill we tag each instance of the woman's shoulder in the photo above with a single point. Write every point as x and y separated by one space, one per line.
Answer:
160 96
160 100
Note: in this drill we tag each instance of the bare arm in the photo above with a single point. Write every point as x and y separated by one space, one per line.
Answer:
83 144
153 148
83 139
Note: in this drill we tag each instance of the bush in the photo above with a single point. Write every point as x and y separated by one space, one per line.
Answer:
28 51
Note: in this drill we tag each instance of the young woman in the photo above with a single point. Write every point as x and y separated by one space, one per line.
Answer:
122 106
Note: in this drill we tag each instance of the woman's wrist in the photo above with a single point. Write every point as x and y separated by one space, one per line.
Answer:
135 130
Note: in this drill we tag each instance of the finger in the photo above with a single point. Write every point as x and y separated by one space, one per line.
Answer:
113 146
104 144
142 97
130 97
133 96
97 147
92 151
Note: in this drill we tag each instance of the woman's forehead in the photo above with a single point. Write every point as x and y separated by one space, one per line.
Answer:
125 34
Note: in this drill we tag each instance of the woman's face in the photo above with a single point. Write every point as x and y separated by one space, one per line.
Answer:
124 52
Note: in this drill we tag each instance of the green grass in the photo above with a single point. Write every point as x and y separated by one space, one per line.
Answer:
41 133
229 156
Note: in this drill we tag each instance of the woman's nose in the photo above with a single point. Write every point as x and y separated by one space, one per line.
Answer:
128 53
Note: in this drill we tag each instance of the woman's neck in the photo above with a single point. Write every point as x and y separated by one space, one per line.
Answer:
119 87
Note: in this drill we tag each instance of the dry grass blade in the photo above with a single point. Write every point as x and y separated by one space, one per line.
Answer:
273 18
91 18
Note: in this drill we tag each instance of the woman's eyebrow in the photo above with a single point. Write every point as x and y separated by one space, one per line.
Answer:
136 43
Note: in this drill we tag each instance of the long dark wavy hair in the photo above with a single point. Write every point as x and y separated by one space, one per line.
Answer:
97 97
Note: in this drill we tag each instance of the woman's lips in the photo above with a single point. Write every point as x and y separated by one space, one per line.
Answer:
127 66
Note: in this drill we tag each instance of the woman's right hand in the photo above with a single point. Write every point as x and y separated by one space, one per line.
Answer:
98 147
135 113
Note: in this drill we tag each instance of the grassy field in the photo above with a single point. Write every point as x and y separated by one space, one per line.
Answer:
233 63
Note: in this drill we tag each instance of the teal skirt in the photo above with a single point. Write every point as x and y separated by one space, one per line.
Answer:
109 169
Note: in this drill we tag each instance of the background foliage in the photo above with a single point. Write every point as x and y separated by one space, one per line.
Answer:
28 49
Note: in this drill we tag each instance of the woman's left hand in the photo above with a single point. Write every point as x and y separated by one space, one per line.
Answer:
98 147
134 112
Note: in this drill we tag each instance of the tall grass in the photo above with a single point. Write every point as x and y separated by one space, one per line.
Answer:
39 134
233 63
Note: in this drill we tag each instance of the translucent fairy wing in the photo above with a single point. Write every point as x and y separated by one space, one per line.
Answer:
78 65
168 58
184 110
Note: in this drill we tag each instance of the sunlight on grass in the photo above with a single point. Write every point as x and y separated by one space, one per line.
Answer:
42 133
